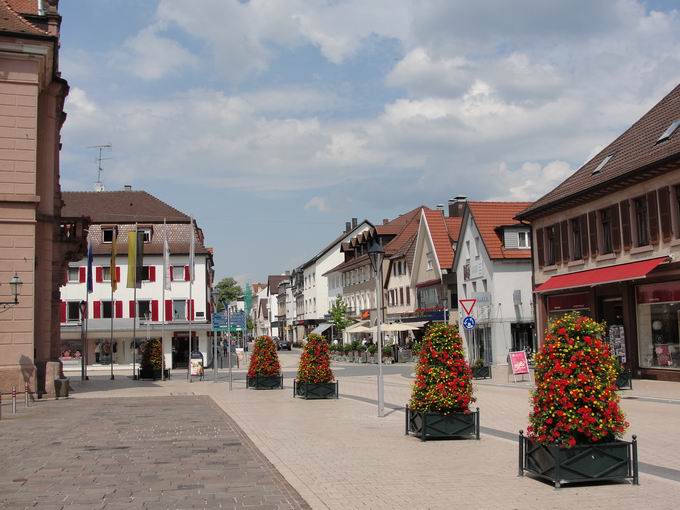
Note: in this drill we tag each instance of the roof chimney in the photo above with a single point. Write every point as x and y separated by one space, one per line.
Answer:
439 207
127 187
385 221
457 206
354 223
348 227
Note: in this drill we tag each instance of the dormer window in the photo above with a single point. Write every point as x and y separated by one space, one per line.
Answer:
146 231
523 239
669 131
107 234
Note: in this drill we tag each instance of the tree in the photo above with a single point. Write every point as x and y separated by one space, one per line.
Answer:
228 290
443 377
315 362
575 399
338 314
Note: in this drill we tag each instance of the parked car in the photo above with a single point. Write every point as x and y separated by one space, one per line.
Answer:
284 344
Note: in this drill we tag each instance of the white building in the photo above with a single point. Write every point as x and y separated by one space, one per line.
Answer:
493 265
119 212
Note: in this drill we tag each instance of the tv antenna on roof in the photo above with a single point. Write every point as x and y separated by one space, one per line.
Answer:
99 186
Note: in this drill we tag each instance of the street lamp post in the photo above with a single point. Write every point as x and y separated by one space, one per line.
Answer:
377 253
83 341
215 296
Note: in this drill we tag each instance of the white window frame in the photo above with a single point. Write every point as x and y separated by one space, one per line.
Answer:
76 270
68 314
113 234
184 303
523 234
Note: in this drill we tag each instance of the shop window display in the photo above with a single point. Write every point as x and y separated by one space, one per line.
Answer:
658 317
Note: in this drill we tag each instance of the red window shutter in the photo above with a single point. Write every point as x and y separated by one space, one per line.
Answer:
154 310
171 275
665 214
99 276
152 273
168 310
81 274
653 209
540 248
186 273
62 311
193 305
132 309
119 309
118 274
592 229
616 228
97 309
565 240
625 225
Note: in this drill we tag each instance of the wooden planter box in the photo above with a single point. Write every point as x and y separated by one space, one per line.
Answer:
481 372
266 382
615 461
315 391
624 381
429 425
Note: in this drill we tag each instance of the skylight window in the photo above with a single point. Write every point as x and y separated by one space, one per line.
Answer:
669 131
599 167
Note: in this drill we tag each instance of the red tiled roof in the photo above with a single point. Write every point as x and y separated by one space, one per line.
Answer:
119 207
24 6
490 215
453 226
11 21
635 150
439 233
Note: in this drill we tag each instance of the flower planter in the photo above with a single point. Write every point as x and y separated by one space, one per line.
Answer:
315 391
624 381
481 372
429 425
266 382
615 461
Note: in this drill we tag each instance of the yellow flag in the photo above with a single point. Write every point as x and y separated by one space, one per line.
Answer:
132 260
114 280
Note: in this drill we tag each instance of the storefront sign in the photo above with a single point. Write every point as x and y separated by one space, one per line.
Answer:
519 362
196 364
565 302
483 298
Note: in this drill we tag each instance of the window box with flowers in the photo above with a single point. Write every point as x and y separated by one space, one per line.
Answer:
264 371
576 423
442 392
315 378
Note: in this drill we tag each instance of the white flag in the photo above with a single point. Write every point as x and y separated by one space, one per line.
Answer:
192 248
167 277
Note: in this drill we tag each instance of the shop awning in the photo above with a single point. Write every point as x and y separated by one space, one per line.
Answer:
601 275
321 328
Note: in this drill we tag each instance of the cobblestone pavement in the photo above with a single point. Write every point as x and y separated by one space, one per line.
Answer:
338 454
134 453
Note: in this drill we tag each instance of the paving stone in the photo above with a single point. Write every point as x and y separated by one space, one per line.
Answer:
168 452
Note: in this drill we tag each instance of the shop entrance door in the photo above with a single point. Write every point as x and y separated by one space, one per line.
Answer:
180 350
523 335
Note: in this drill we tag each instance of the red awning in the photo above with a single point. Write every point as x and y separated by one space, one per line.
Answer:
601 275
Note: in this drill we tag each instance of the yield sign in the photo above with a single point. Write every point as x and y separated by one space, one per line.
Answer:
468 305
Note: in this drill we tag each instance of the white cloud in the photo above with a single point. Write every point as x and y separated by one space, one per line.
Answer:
318 203
151 56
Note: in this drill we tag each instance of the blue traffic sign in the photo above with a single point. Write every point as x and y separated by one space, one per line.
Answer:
469 322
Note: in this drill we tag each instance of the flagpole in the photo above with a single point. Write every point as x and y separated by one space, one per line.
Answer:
165 270
191 281
86 319
134 318
113 306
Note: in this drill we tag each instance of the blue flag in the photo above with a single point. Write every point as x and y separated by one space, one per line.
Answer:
89 267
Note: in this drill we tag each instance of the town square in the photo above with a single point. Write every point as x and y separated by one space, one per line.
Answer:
354 254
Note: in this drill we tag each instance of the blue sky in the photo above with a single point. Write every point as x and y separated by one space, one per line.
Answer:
275 121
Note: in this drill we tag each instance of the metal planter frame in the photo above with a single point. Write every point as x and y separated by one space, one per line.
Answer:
315 391
430 425
482 372
624 381
266 382
616 461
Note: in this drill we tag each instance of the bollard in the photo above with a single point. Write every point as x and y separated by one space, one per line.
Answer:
26 394
14 400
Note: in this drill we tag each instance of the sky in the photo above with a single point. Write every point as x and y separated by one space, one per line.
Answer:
273 122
